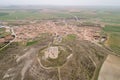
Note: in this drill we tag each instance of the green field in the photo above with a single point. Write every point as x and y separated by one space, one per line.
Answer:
31 43
3 14
30 15
114 37
103 15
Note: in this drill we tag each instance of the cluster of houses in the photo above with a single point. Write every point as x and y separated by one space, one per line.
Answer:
5 34
26 32
31 31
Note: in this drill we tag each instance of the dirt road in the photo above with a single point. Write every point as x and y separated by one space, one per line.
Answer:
110 69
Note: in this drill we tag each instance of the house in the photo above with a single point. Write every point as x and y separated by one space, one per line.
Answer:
7 29
2 26
2 40
9 37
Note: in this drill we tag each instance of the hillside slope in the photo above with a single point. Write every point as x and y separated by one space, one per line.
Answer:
76 60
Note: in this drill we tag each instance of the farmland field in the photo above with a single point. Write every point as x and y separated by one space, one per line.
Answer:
102 15
29 15
114 37
110 69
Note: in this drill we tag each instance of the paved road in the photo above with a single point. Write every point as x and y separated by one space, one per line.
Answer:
110 69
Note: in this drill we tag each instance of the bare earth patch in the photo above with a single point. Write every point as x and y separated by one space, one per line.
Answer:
110 69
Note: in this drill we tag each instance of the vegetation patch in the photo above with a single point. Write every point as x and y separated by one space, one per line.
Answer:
31 43
70 37
110 28
3 14
113 41
2 30
3 33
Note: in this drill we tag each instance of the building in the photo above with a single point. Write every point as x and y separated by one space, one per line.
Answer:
2 26
2 40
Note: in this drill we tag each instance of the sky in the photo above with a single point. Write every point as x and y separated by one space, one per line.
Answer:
62 2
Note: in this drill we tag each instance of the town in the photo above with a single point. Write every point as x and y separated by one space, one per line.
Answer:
30 31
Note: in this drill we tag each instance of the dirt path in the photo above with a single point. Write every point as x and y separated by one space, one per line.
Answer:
28 59
42 65
59 73
110 69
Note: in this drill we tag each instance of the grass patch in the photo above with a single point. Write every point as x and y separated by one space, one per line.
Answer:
3 14
3 33
2 30
31 43
114 42
110 28
70 37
